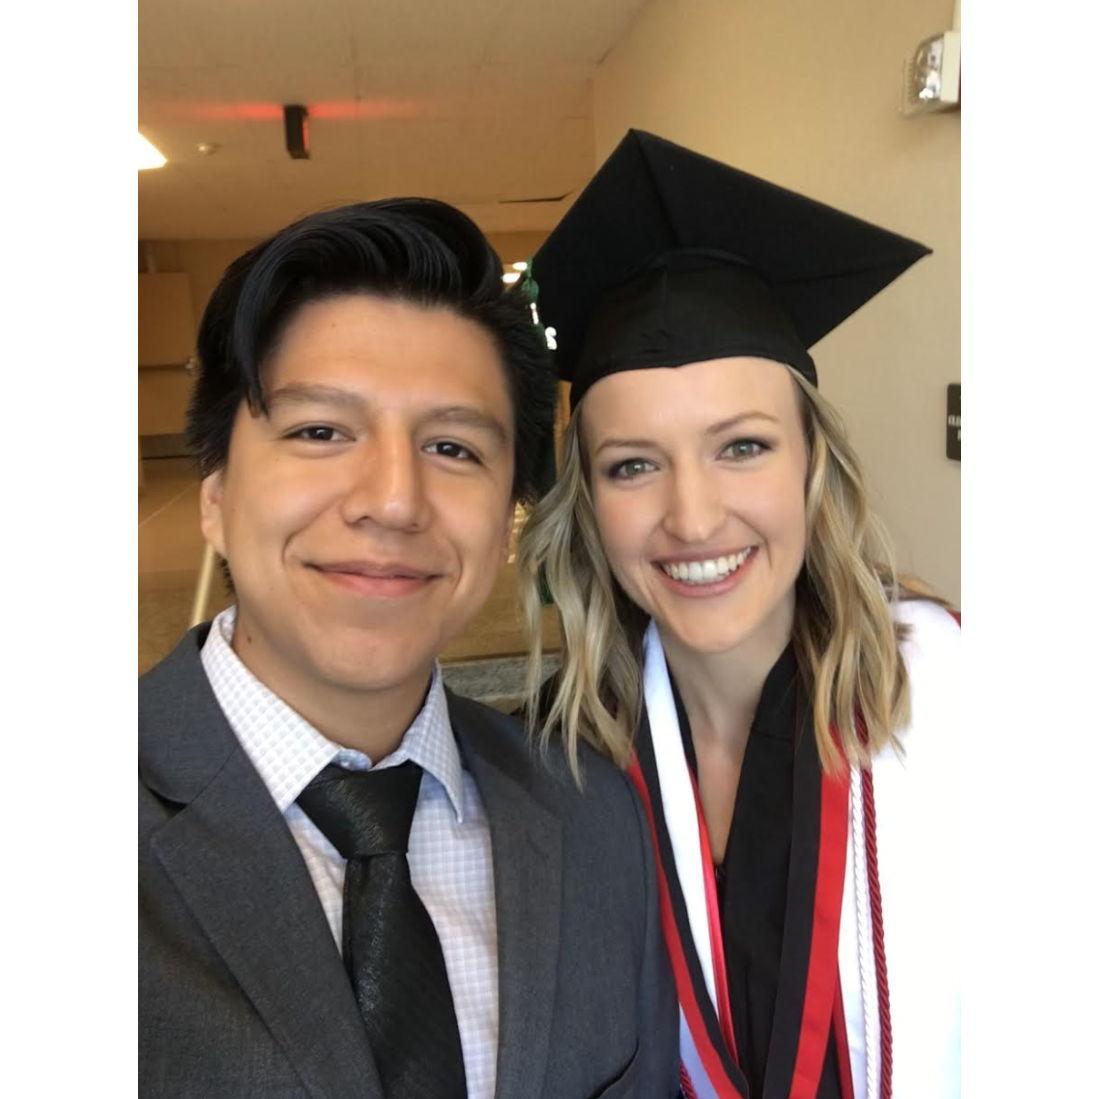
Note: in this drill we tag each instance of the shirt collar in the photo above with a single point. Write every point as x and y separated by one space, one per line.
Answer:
288 752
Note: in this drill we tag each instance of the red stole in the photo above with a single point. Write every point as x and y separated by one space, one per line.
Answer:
809 1005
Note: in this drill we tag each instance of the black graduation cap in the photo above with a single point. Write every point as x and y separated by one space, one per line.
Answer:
669 257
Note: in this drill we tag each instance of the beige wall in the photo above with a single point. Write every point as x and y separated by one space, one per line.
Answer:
806 94
163 393
203 261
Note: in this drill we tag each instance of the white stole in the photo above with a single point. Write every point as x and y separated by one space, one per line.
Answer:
917 835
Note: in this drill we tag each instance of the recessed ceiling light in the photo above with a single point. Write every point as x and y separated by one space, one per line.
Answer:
511 276
207 148
520 266
148 155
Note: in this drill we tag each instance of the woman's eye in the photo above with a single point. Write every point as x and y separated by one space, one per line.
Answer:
447 448
631 467
317 433
745 448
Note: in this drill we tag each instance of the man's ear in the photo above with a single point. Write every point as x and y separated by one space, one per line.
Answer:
210 510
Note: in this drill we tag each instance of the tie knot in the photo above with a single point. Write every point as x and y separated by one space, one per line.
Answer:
364 812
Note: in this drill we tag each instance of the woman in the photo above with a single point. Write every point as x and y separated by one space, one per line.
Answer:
736 636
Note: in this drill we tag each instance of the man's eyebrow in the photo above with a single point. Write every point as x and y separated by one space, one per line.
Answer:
468 416
297 393
714 429
460 414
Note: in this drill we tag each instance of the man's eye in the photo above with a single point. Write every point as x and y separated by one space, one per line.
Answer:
447 448
746 448
631 467
317 433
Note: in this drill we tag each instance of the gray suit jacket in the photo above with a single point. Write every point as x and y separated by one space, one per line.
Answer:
243 992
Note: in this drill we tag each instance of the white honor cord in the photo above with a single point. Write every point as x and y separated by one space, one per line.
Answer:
677 796
864 933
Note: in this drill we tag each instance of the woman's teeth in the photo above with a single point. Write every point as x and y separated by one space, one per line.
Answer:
706 572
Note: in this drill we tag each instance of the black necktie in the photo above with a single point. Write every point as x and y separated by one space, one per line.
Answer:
390 948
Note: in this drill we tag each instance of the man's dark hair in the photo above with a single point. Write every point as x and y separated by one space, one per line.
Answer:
413 249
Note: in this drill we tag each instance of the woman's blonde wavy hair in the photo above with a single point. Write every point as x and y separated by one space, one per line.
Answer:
845 639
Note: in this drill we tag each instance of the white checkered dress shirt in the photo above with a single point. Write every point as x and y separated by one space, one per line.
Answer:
449 850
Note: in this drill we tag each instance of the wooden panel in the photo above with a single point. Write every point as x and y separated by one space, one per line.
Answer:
498 628
162 395
165 319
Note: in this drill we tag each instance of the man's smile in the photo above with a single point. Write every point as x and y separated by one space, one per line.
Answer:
385 579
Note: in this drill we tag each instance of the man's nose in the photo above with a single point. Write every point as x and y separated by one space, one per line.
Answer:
386 485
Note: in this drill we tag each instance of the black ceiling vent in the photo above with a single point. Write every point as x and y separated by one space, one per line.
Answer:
296 120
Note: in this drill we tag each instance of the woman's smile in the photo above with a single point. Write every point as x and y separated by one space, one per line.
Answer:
698 571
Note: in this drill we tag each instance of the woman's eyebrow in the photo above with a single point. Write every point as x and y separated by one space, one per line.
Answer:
639 444
723 425
714 429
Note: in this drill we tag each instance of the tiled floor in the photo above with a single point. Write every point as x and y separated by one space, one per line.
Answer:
170 548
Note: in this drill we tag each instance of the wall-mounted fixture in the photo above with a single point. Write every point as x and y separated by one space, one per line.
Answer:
954 421
933 75
295 119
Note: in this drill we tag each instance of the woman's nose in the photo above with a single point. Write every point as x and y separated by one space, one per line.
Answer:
695 511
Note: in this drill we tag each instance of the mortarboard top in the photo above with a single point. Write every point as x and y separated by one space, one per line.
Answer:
669 257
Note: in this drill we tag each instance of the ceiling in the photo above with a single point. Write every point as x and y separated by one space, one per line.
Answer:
482 103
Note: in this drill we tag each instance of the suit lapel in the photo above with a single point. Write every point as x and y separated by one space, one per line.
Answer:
232 858
526 856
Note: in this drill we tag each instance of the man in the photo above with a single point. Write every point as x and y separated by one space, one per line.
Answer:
352 882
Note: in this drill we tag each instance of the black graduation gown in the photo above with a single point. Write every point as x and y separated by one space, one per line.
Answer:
765 901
